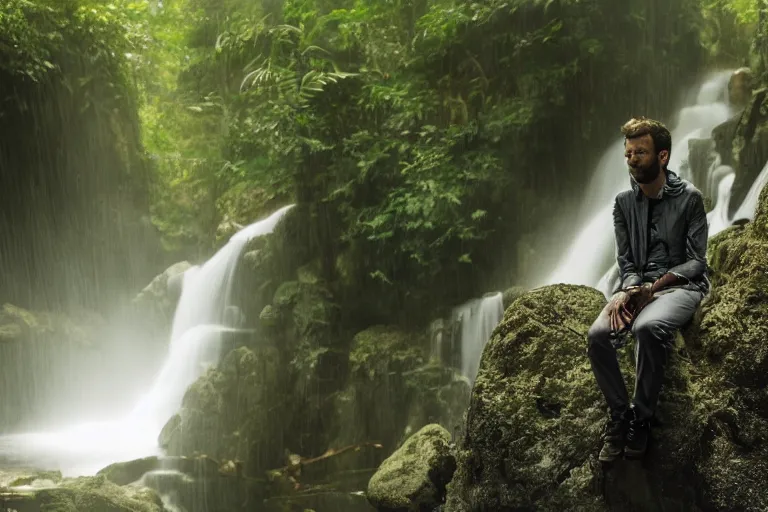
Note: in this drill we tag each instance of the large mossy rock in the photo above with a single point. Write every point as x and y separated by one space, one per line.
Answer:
85 494
534 423
414 477
731 353
535 411
233 412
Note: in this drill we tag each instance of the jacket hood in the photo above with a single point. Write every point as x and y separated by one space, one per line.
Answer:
673 187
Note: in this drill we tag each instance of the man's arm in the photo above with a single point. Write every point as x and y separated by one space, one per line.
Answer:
695 247
627 269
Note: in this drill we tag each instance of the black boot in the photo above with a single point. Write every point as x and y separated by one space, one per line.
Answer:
614 437
637 437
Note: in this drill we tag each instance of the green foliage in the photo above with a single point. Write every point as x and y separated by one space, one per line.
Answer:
410 131
727 29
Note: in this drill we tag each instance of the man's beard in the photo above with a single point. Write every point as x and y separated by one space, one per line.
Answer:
646 175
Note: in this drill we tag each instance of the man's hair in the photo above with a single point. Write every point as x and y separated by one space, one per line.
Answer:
640 126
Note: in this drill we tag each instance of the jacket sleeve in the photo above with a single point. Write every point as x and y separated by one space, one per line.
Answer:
629 274
695 240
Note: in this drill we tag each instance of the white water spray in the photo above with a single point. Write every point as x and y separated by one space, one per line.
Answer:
198 324
478 317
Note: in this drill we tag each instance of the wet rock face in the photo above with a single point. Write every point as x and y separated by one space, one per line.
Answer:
414 477
536 414
732 359
233 412
749 146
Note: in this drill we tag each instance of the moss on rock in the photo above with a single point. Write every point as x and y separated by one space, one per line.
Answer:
533 427
124 473
233 412
86 494
414 477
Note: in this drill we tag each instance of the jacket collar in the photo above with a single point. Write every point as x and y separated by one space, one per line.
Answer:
673 187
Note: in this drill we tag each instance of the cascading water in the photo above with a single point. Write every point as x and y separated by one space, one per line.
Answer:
478 317
198 323
592 252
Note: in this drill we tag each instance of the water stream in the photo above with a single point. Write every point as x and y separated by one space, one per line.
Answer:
199 321
478 317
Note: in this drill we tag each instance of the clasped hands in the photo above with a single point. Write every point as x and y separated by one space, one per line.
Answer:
627 304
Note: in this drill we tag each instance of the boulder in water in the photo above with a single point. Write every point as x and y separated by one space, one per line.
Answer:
414 477
124 473
85 494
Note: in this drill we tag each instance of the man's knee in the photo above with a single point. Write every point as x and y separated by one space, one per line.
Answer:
651 329
598 337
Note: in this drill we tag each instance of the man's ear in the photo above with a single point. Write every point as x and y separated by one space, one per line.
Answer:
664 157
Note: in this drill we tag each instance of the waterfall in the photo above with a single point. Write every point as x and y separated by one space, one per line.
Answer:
198 323
478 319
591 254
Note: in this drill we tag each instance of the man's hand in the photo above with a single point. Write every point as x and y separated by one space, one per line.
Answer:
627 304
666 281
639 297
619 315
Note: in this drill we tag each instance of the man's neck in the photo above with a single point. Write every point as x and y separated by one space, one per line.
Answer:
653 188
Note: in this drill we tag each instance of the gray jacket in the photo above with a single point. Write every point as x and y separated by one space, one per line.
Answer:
681 229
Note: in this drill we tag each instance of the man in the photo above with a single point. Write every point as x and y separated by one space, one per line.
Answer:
661 242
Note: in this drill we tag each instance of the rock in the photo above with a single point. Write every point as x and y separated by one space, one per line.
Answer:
740 87
169 431
269 316
732 360
414 477
516 453
162 293
30 478
124 473
750 147
19 324
85 494
233 412
534 423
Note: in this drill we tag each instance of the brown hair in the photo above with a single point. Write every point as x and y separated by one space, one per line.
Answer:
640 126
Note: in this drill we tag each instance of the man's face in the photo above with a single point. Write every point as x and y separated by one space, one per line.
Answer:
644 163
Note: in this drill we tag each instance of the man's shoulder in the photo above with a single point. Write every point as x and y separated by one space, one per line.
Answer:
626 195
690 189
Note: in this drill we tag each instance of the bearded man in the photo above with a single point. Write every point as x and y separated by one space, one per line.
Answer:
661 242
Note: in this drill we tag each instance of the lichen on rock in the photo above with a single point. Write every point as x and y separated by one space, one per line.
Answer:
85 494
414 477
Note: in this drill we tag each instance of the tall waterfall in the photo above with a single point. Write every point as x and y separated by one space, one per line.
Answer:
590 257
478 317
198 323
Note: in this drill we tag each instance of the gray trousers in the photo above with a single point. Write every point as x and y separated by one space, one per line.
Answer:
654 331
